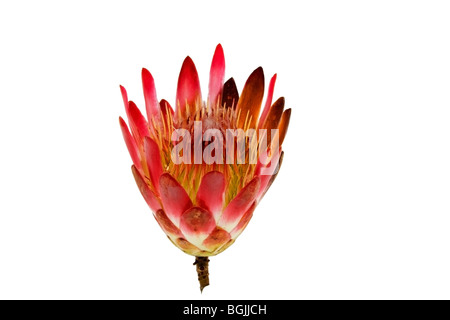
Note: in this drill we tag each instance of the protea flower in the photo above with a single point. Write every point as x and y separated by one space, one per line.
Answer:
205 204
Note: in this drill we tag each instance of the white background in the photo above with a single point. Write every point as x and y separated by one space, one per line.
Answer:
360 208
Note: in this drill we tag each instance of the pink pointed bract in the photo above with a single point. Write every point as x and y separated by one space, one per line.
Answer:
202 208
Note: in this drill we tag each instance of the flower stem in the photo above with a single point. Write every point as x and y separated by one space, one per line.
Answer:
202 271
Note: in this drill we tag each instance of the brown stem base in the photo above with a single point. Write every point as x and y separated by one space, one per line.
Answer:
202 271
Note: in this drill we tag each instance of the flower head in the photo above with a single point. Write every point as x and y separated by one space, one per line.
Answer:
203 167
